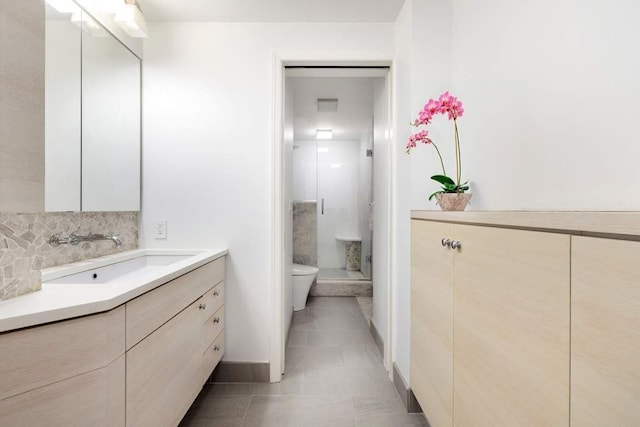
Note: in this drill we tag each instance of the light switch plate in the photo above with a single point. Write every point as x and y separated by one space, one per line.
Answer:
160 229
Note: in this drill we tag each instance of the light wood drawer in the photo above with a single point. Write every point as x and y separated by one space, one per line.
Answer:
213 299
148 312
212 356
212 328
164 371
95 398
34 357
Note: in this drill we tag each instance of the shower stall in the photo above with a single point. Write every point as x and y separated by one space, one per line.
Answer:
332 209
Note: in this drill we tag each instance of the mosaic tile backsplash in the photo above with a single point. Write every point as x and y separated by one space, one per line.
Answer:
25 249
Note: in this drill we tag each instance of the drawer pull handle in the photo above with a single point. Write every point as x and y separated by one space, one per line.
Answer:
445 242
216 320
456 245
202 306
215 293
216 347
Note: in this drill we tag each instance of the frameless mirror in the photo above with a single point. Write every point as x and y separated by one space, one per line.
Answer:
62 110
110 124
92 115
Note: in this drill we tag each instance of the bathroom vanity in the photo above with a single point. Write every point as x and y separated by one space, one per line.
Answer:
134 347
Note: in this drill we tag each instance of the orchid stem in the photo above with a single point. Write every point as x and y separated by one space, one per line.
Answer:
440 156
458 162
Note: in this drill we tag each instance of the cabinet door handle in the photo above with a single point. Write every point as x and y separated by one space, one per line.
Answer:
445 242
216 320
202 306
456 244
216 347
215 293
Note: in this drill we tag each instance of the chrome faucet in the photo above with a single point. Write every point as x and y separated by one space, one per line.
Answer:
75 238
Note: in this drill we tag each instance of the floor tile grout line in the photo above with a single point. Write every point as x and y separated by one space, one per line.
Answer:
246 411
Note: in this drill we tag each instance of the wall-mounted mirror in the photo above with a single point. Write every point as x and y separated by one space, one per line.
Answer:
92 116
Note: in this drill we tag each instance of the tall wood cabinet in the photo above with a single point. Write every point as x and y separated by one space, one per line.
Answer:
490 325
605 332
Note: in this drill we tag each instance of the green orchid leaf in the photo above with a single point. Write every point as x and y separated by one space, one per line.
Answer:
443 179
434 193
449 187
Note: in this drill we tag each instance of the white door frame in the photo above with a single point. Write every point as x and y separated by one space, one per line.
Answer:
324 58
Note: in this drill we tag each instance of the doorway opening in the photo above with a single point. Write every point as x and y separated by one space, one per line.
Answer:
332 178
335 186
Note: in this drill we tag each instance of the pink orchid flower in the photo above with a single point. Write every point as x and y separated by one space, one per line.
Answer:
421 136
445 104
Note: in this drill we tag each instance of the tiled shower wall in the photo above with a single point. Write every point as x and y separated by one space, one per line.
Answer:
305 235
25 249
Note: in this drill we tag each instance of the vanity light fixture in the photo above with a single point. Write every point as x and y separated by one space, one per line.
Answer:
324 134
129 17
63 6
84 21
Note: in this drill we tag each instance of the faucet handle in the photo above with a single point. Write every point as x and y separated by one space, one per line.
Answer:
117 239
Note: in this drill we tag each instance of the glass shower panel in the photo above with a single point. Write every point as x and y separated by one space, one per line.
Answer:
338 217
365 200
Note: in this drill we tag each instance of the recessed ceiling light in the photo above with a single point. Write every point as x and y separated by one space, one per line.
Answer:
335 165
323 149
324 134
327 105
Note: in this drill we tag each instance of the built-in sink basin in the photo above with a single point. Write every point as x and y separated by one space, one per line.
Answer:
119 270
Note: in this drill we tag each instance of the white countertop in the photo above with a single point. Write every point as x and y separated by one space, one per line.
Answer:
579 222
64 301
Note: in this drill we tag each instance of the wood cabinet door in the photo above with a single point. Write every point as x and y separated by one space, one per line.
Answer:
511 328
94 398
605 332
432 320
164 371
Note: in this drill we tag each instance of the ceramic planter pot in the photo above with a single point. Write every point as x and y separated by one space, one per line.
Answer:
453 201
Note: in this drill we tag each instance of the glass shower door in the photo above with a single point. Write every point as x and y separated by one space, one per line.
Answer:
339 234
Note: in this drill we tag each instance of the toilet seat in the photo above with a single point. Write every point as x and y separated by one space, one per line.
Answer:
304 270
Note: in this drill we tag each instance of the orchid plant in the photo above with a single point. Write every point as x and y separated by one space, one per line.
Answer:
452 107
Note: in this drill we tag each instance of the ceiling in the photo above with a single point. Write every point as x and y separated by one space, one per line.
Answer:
355 106
271 10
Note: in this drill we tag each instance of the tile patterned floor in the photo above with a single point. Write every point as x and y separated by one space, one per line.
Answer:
334 377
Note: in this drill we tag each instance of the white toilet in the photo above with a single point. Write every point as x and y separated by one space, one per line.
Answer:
303 277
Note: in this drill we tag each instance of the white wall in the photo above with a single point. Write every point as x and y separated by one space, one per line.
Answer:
382 140
338 187
207 149
551 93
